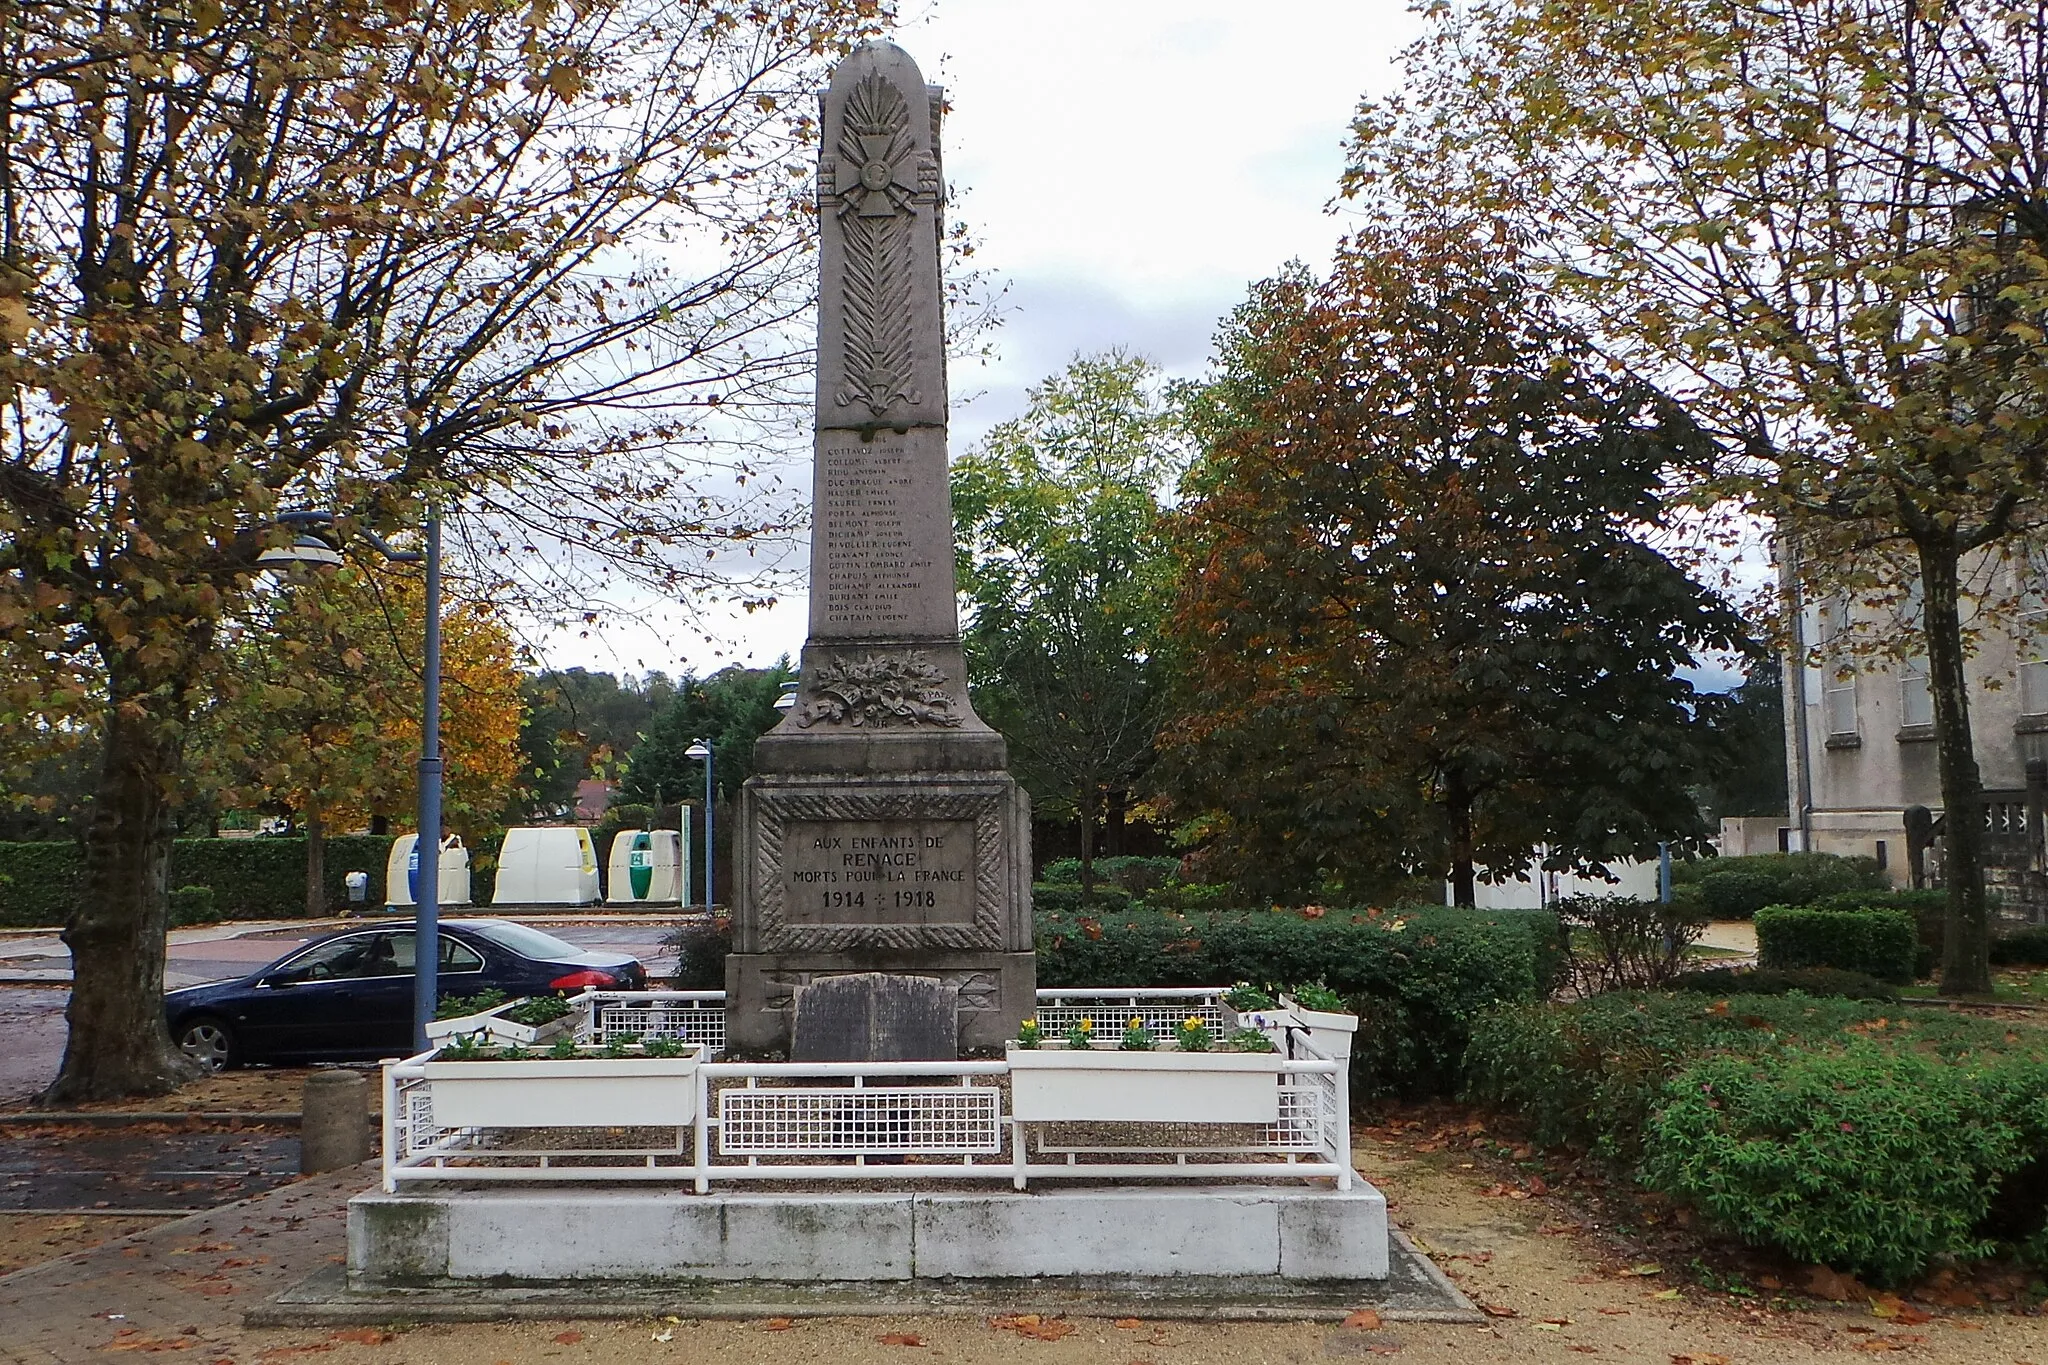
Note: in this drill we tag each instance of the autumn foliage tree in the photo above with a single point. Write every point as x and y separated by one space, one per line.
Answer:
1423 628
1824 226
533 261
320 714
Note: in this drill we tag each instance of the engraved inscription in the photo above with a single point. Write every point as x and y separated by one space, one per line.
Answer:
873 570
879 871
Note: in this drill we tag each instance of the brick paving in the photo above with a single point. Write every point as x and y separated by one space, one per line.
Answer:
182 1286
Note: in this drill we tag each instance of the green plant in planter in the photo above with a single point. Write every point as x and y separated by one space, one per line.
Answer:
541 1010
1249 1040
1193 1035
1080 1034
620 1044
456 1006
513 1052
661 1046
1245 997
564 1049
1316 996
465 1047
1029 1035
1137 1038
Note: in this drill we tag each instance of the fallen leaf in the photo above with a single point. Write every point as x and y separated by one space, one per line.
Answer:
569 1338
665 1334
1643 1271
1668 1294
1559 1322
365 1336
1586 1350
901 1339
1128 1323
1365 1320
1536 1185
1834 1286
1494 1310
778 1325
1031 1325
124 1342
1769 1282
1615 1312
1548 1326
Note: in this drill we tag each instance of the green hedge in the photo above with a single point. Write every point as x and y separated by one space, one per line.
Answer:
1110 899
1816 981
2022 948
248 878
1881 943
1134 874
1928 909
1736 888
1417 978
1824 1129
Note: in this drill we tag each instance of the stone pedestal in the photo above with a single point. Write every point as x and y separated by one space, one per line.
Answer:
912 873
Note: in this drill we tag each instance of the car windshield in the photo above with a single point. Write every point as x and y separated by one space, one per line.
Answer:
526 942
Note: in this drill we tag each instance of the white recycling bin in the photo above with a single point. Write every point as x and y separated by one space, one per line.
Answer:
547 865
646 867
402 872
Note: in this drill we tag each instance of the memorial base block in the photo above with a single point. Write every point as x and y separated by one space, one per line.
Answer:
997 990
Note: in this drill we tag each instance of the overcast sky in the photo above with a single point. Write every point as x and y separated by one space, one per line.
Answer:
1129 168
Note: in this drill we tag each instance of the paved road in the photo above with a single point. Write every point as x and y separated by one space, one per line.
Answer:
154 1166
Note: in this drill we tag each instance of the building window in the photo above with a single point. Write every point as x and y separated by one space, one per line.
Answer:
1838 675
1916 698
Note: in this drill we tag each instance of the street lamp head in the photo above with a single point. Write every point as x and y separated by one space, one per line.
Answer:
698 750
305 548
786 699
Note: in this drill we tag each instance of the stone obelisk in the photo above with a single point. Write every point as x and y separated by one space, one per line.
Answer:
882 833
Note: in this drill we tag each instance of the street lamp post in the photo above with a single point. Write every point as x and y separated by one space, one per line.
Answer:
701 749
309 548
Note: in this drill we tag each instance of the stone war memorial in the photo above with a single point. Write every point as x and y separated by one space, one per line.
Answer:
883 1105
881 837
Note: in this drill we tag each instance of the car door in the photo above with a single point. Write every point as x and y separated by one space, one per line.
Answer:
387 1000
303 1005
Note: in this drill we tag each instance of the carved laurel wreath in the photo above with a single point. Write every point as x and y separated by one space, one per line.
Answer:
876 184
876 691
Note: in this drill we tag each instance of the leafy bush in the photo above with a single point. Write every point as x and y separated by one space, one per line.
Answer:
250 878
1190 896
2024 948
1882 943
701 947
1817 981
1621 943
1868 1159
1736 888
1109 899
1134 874
1417 979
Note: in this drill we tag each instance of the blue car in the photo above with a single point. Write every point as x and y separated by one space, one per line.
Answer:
349 996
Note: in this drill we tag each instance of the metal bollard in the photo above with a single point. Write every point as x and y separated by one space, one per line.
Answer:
334 1121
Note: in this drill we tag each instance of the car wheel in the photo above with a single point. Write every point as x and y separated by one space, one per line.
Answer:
208 1041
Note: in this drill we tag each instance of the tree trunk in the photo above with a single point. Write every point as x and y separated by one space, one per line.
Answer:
1458 808
1086 808
316 863
118 1043
1965 939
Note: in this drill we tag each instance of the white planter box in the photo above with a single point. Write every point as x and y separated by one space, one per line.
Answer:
585 1092
1052 1085
1329 1030
492 1025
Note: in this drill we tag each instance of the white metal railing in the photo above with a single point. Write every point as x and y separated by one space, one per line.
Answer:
1163 1009
836 1121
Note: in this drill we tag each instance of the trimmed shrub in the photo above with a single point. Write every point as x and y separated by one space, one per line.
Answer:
1881 943
1621 942
1417 979
1134 874
1110 899
2024 948
1926 907
192 905
1816 981
1865 1158
1736 888
249 878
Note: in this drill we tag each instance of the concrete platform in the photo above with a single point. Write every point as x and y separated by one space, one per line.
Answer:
1251 1237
